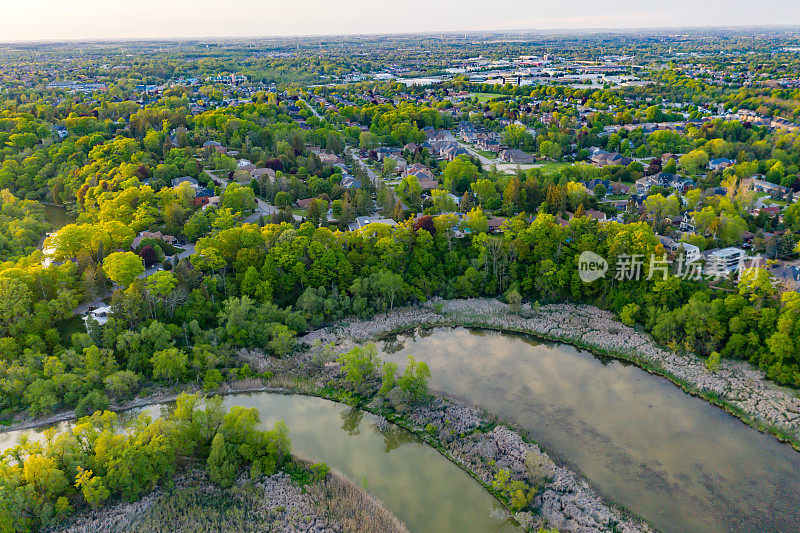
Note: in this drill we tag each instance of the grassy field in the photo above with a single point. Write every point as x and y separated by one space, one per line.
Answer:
551 167
485 97
484 153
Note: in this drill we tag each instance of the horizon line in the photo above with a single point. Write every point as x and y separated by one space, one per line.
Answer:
557 31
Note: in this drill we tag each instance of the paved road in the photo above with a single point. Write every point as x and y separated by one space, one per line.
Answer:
373 177
217 179
188 249
483 159
312 108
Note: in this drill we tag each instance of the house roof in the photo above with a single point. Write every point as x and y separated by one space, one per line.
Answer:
496 222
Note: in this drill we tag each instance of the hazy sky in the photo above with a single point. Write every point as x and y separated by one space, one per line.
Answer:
78 19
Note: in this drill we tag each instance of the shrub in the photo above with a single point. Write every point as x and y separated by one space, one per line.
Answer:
212 379
629 313
515 492
712 363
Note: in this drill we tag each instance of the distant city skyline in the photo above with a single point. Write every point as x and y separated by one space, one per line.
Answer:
113 19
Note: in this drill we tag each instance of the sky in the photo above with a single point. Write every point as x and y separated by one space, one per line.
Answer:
22 20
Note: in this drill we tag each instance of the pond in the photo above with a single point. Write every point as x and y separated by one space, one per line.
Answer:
420 486
676 460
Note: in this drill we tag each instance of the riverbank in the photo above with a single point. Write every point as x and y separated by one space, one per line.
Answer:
735 386
278 503
473 439
465 435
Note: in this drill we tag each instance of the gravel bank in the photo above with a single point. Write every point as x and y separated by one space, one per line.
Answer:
276 503
470 438
737 386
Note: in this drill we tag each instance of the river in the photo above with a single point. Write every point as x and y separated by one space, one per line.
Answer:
57 216
421 487
676 460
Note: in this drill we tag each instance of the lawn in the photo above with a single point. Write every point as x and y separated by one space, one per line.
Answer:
485 97
484 153
551 167
487 155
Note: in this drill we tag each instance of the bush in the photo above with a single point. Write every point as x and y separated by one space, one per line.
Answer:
515 492
629 314
212 379
712 363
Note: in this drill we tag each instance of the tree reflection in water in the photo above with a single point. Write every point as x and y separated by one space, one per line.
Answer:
392 344
351 420
394 437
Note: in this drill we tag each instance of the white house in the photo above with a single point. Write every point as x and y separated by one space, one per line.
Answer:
730 258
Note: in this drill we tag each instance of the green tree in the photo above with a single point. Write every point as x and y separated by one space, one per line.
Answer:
459 173
169 364
694 161
360 366
123 267
223 462
550 150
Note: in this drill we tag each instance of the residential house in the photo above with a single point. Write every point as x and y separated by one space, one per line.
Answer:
258 173
786 274
419 170
602 158
517 157
691 252
720 163
168 239
452 151
362 221
597 215
60 132
643 185
385 151
687 223
729 259
305 203
428 184
350 182
400 163
201 201
191 181
488 142
768 187
592 184
771 210
496 224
